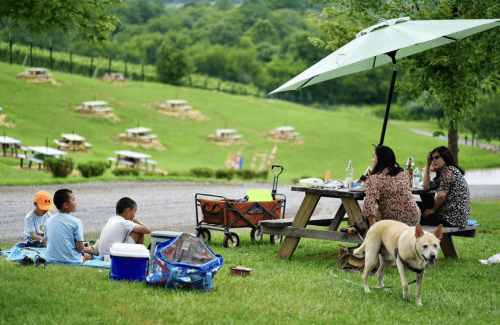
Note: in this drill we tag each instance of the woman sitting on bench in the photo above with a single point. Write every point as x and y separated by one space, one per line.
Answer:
388 190
452 203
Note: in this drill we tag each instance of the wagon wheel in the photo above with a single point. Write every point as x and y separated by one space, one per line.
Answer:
204 235
256 234
231 240
276 239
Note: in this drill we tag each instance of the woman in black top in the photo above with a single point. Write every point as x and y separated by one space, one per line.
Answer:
452 202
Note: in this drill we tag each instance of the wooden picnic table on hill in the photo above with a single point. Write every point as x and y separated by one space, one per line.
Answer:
9 143
132 159
72 142
138 134
38 155
284 133
98 106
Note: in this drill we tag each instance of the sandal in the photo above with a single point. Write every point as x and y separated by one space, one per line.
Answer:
40 261
26 261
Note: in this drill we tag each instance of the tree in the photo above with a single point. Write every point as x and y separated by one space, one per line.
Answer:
171 64
453 74
486 124
223 5
263 31
89 16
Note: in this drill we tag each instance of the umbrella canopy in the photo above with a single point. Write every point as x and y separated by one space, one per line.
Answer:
384 43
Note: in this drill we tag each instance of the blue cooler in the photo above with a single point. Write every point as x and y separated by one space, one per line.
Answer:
128 262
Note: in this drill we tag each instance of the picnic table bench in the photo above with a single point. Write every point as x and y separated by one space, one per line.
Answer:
296 228
31 160
121 161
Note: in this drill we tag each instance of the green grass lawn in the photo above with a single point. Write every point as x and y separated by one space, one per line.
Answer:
308 289
330 138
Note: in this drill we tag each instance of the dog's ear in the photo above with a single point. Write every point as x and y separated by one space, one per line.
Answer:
419 232
439 232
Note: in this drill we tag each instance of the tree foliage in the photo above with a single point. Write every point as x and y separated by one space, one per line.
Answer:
171 64
263 43
89 16
453 73
486 121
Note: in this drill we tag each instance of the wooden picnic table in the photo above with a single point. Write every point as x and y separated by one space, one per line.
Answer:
38 155
9 143
132 159
72 142
284 133
296 229
98 106
225 135
141 134
35 74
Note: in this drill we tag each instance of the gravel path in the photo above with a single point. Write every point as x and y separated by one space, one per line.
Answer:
161 205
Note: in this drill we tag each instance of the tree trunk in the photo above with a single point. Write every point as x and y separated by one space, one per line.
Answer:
453 141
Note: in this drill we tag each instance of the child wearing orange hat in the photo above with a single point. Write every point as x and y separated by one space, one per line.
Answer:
35 220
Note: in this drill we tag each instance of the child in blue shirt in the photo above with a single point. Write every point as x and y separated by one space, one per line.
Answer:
34 229
64 232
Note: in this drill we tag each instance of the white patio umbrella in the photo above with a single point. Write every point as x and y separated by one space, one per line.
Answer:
386 42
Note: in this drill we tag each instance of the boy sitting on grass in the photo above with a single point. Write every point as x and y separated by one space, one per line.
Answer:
122 228
34 229
64 232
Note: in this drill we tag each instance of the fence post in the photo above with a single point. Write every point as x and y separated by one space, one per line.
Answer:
31 54
91 63
109 67
10 46
71 62
51 61
142 69
125 73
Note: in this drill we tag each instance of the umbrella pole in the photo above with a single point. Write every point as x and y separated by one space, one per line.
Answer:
388 109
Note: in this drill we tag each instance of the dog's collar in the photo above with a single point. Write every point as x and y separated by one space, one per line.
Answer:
406 264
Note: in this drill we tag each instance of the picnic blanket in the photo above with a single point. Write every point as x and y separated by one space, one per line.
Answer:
19 251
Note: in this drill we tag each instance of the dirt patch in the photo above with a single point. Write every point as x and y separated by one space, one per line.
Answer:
296 141
3 117
190 114
147 144
228 142
108 115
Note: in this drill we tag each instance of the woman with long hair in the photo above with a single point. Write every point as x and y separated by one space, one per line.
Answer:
388 190
452 202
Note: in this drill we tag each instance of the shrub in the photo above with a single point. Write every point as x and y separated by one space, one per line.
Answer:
152 173
224 173
125 172
180 174
202 172
246 173
92 168
59 167
262 175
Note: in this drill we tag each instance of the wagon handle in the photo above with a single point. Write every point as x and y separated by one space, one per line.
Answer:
275 181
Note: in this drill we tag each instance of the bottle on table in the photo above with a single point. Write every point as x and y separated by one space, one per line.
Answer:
409 167
416 177
349 175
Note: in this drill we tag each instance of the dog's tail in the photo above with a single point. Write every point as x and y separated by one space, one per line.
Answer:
360 250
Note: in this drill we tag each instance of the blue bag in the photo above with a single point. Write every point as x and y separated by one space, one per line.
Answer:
184 262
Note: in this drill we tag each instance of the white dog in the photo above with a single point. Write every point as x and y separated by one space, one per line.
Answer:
411 247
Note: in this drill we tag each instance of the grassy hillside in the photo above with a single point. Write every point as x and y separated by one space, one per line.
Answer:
331 138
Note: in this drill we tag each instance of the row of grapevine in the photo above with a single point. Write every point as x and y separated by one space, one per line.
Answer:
98 66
